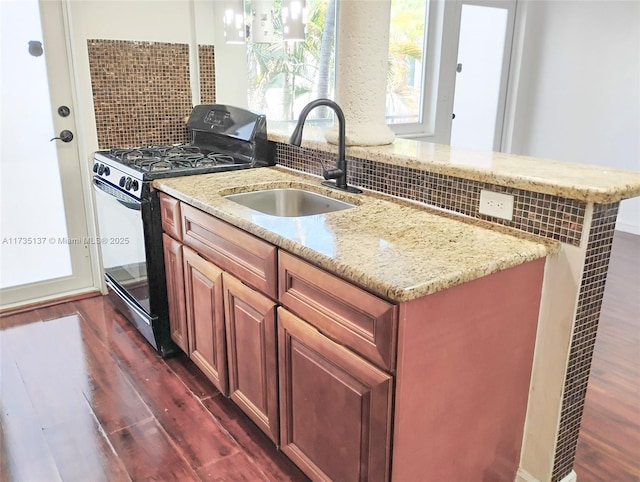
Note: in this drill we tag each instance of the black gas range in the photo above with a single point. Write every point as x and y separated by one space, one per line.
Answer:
223 138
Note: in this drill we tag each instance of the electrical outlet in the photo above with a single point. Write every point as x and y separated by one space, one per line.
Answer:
496 204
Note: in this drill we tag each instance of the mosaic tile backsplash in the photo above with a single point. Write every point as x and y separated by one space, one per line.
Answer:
206 58
142 90
542 214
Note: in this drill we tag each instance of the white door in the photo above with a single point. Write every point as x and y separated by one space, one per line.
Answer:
484 50
44 243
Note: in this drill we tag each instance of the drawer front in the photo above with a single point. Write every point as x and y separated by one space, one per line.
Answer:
170 211
248 258
345 313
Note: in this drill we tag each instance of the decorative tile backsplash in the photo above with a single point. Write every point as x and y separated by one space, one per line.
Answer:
142 90
542 214
206 58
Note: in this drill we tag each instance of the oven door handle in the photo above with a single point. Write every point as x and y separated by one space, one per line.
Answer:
125 199
136 206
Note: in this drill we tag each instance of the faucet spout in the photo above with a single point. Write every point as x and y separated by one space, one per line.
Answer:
340 171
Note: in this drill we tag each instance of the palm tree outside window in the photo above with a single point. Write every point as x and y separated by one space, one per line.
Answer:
284 76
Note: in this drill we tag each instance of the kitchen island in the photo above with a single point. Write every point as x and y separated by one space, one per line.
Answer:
573 207
412 329
576 204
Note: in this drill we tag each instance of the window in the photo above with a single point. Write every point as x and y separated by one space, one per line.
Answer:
406 52
285 75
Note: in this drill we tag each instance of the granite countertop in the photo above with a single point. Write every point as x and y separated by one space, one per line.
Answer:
584 182
394 248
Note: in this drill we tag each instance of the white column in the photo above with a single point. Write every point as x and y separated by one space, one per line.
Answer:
361 71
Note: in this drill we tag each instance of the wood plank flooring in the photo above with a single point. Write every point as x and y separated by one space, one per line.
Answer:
83 397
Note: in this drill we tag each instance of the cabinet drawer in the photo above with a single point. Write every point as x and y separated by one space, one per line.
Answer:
170 212
250 259
345 313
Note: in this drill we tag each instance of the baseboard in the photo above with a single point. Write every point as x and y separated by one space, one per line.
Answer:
628 228
47 302
572 477
524 476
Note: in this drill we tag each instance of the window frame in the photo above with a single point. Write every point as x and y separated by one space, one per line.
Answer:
438 74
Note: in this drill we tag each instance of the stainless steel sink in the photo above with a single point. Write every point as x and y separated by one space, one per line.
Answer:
289 202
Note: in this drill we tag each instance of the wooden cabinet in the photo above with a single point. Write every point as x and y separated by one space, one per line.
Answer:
248 258
174 274
335 407
326 368
205 317
316 390
171 217
227 328
346 313
250 322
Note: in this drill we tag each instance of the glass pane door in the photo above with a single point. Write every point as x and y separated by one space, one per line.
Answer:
32 217
42 223
482 70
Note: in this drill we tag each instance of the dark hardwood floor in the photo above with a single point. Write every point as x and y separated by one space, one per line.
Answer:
83 397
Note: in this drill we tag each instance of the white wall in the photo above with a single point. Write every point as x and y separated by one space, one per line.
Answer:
579 86
232 83
175 21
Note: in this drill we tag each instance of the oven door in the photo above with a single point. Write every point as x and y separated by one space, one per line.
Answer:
122 243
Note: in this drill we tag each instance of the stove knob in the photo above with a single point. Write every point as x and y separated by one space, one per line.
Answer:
107 171
95 167
127 184
134 185
121 182
101 169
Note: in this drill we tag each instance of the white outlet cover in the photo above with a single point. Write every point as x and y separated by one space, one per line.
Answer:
496 204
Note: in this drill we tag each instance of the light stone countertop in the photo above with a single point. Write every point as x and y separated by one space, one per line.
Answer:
584 182
397 249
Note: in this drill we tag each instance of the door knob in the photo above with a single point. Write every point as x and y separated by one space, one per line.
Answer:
65 136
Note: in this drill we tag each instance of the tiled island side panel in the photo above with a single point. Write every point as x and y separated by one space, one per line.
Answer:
594 276
553 217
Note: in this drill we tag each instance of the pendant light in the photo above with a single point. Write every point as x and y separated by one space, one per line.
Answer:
234 25
261 22
293 17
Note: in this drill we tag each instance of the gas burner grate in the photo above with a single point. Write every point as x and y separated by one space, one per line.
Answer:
177 157
221 158
154 164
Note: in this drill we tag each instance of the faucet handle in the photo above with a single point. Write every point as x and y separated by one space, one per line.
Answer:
332 173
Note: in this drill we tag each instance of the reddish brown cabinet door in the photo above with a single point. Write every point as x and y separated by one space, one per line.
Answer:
171 219
205 317
335 407
175 291
250 321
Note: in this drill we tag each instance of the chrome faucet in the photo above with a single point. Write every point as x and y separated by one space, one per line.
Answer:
339 173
